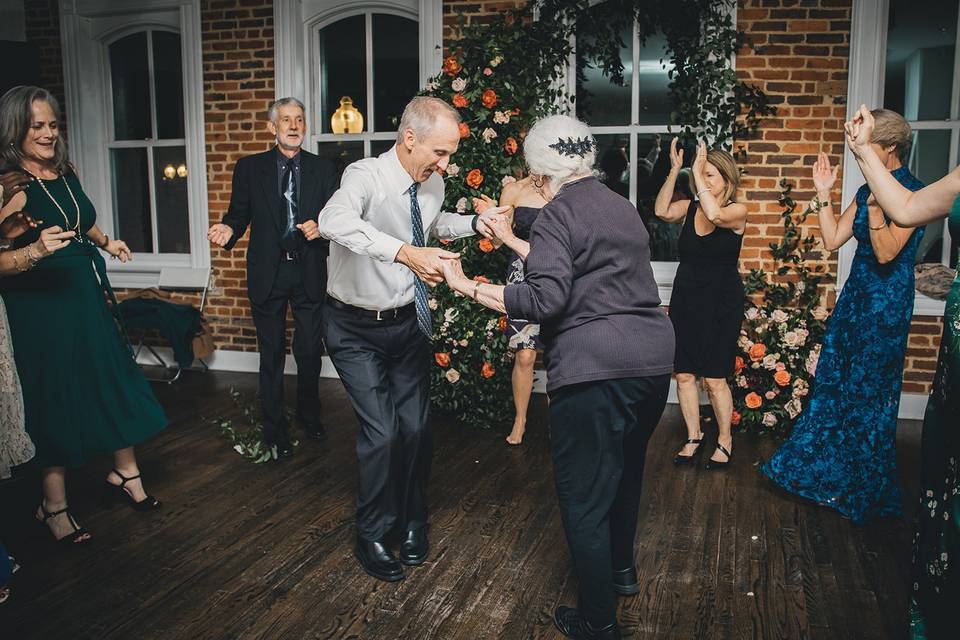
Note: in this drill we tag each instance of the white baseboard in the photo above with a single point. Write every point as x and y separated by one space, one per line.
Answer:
912 405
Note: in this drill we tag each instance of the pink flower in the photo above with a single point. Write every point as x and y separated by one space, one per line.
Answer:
769 419
779 315
488 71
770 395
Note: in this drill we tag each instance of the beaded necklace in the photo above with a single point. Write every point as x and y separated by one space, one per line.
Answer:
76 226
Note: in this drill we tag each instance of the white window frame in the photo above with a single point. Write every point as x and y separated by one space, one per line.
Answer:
86 28
868 46
663 272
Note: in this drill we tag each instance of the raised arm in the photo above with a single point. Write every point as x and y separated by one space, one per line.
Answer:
834 233
906 208
727 216
663 207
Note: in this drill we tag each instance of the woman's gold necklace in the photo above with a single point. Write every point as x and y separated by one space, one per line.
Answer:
66 221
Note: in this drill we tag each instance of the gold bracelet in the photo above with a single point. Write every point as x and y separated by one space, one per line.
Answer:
34 259
883 226
476 290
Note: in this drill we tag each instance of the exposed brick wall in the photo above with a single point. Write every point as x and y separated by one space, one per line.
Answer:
43 30
473 12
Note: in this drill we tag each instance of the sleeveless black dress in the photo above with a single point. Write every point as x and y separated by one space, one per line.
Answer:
520 333
706 306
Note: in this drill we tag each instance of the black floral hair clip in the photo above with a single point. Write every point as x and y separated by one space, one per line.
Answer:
570 147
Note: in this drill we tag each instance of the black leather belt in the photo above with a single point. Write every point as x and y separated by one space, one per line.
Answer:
387 314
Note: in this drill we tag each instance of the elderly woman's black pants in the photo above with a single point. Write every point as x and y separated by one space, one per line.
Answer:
599 432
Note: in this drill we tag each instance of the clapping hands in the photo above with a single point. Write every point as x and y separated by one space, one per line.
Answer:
823 176
859 130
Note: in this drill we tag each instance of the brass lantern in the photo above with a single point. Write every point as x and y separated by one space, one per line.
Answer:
346 119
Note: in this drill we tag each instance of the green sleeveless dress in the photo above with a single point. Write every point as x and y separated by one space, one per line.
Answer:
936 546
83 394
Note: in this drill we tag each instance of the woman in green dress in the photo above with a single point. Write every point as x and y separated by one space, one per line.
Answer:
83 394
936 546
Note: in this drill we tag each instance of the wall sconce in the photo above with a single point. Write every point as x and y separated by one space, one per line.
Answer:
169 172
346 119
181 171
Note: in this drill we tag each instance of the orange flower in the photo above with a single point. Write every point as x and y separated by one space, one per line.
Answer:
452 66
757 351
481 279
753 401
502 323
464 130
735 418
485 245
459 101
474 178
487 370
489 98
443 359
510 146
738 365
782 378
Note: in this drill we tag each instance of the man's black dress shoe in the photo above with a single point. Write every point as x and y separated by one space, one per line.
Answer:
625 582
312 427
570 624
282 443
414 548
377 560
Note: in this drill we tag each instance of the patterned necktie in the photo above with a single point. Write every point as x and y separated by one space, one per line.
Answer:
290 197
420 296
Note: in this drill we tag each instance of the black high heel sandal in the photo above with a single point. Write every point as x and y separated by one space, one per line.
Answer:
716 464
682 460
117 491
78 534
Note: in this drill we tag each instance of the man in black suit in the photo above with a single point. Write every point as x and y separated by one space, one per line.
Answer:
279 193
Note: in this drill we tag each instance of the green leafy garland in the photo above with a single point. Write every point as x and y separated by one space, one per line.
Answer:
504 75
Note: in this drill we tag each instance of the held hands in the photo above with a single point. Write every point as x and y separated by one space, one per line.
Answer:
219 234
454 275
483 203
823 176
426 262
309 229
859 130
118 249
491 216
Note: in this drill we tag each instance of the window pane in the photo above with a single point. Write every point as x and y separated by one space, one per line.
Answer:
379 146
653 82
168 84
930 161
173 210
600 102
130 84
921 38
396 68
341 153
652 173
613 160
131 198
343 68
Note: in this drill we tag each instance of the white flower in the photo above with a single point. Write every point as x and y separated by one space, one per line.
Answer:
752 313
496 61
501 117
464 343
450 314
461 205
742 382
744 343
793 408
453 170
779 315
507 180
769 419
432 303
488 135
459 84
791 339
452 375
770 361
812 360
432 86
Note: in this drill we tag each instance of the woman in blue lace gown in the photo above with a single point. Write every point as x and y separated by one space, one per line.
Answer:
936 546
842 450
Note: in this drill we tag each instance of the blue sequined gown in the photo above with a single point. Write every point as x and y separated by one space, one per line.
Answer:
842 450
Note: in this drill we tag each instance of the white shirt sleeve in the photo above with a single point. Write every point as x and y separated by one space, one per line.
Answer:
341 219
450 226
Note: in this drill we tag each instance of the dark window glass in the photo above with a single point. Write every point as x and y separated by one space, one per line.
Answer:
131 198
341 153
396 68
343 68
130 85
168 83
173 214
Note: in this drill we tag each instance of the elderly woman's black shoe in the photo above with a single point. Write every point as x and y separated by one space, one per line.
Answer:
718 464
681 460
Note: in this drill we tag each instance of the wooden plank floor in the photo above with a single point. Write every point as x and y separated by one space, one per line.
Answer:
264 551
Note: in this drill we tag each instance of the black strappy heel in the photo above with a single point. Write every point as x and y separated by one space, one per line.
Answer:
71 538
681 459
114 491
716 464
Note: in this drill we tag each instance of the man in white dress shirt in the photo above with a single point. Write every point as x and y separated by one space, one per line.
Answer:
379 325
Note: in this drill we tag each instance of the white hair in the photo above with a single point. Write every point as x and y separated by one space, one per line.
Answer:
550 162
421 115
282 102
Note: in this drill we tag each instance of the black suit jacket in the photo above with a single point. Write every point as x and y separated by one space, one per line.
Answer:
256 201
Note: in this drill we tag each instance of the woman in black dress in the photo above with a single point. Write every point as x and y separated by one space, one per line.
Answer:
706 306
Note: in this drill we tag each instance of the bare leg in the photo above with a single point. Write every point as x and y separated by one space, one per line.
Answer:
522 388
689 398
722 402
125 461
54 482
